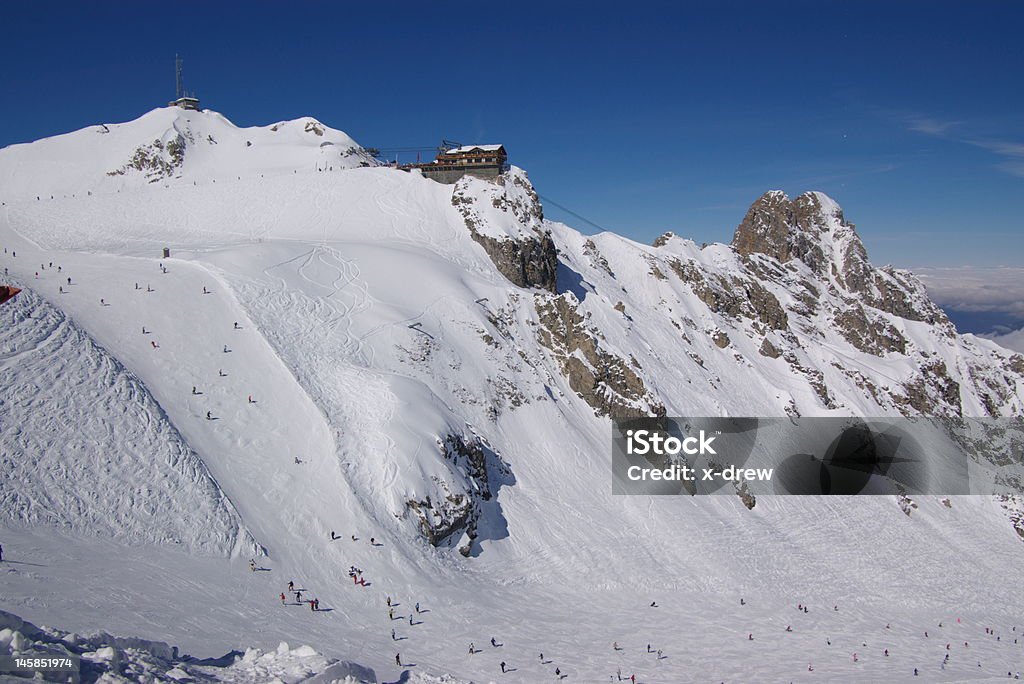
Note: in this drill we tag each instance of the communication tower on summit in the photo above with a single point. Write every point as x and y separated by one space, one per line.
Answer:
182 99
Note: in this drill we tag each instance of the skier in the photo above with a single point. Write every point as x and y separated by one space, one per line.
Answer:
102 303
742 602
615 645
494 643
298 596
391 613
886 653
915 671
69 280
220 372
144 330
291 585
60 289
148 288
225 349
789 628
472 648
209 416
1 553
659 654
316 603
282 598
398 659
250 400
194 389
750 636
417 607
502 665
236 325
558 672
393 638
632 679
333 536
411 623
654 604
810 668
648 648
252 565
205 291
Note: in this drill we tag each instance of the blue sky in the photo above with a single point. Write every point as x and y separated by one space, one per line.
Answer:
642 117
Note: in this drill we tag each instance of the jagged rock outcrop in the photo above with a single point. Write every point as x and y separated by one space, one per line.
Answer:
783 229
527 262
457 511
604 380
733 296
157 160
507 220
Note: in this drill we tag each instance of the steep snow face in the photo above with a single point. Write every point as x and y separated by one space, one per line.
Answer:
170 146
86 448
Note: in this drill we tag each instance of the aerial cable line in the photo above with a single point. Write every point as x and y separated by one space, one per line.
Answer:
572 213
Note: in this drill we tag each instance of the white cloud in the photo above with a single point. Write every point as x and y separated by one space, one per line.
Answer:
997 289
931 126
1012 152
1012 340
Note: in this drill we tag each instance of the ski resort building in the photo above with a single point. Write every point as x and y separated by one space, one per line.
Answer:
185 103
482 161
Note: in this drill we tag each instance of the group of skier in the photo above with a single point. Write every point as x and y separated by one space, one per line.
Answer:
314 603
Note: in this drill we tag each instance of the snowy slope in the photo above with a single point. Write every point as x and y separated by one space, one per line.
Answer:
169 146
405 389
75 424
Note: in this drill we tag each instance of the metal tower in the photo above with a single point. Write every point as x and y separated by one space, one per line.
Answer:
180 80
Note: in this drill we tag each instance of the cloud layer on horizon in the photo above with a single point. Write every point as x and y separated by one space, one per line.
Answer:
998 289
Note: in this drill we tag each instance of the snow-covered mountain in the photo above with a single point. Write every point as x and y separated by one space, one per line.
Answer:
338 346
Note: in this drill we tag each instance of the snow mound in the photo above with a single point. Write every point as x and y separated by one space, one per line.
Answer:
172 146
113 659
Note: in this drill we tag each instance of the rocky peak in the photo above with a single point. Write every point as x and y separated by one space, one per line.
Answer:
786 229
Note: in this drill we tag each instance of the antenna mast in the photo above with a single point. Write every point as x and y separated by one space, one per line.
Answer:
180 81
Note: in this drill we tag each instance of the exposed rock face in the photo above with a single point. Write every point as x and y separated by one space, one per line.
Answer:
807 246
741 297
459 510
604 380
528 262
157 160
783 229
511 229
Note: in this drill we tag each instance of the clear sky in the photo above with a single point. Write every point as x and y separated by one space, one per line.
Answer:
640 116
